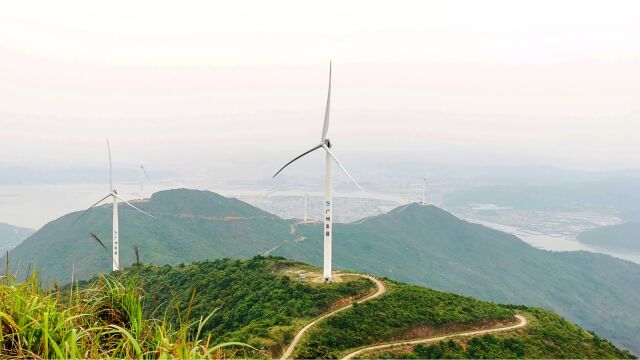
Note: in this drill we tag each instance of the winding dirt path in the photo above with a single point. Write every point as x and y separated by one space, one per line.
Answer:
381 289
521 323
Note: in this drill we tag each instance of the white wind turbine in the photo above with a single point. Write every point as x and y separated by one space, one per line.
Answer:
115 197
328 219
306 199
424 190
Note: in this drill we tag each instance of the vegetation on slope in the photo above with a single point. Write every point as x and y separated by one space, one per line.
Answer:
401 310
623 237
427 246
104 320
547 335
150 311
259 301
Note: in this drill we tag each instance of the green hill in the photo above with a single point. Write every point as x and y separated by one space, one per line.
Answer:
420 245
189 226
11 236
623 237
262 302
431 247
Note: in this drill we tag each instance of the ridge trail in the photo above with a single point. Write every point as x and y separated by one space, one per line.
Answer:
381 290
522 322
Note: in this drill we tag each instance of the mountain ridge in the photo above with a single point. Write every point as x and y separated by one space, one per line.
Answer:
413 243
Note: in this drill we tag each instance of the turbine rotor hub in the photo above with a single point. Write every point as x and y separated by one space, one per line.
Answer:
327 142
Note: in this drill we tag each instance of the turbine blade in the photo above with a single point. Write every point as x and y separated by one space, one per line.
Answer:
145 172
325 125
96 238
110 169
133 206
92 206
342 167
298 157
136 251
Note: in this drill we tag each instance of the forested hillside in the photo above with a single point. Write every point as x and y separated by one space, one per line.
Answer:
260 301
264 301
428 246
547 336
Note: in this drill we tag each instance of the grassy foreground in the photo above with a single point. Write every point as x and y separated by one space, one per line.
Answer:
103 320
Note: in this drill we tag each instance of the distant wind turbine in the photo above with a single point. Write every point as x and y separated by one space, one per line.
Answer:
115 197
424 190
306 198
325 144
143 176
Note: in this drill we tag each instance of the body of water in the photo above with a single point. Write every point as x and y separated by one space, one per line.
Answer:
555 242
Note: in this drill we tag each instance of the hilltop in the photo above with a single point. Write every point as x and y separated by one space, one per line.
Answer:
253 308
263 302
421 245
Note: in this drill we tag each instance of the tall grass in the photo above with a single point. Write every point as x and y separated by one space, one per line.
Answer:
102 320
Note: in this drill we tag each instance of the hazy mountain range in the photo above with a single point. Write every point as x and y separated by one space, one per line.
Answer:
616 195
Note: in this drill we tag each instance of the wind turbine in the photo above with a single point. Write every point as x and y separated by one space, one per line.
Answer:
115 197
424 190
143 176
325 144
306 198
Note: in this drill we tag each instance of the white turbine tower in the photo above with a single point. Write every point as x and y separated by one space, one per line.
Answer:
306 199
424 190
115 197
328 218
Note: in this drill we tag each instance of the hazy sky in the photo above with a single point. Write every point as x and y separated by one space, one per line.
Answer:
191 84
